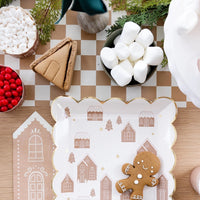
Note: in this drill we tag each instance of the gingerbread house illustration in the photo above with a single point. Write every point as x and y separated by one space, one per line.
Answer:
86 170
32 155
67 185
162 188
125 196
147 146
81 140
106 189
146 119
128 134
95 113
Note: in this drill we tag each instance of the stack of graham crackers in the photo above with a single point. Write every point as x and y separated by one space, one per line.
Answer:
57 64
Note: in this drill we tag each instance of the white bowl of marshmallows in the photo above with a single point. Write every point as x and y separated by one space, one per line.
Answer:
18 33
130 56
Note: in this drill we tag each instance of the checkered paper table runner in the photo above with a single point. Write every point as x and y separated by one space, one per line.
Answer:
89 78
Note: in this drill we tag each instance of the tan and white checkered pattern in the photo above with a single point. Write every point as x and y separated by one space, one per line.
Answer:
89 77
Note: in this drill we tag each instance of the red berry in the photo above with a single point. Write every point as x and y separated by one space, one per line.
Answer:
1 77
2 97
7 76
13 85
2 68
15 93
6 87
10 106
4 108
17 98
1 83
4 102
8 94
9 99
19 89
6 83
3 73
20 94
18 81
12 80
14 75
14 102
1 92
8 70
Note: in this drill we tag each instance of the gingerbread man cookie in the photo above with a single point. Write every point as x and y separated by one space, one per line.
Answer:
144 166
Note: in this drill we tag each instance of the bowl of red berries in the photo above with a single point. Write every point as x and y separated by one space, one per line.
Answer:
11 89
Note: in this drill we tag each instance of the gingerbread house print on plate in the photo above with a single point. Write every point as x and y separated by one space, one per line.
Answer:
86 170
32 160
146 119
162 188
125 196
95 113
147 146
106 189
67 185
128 134
82 140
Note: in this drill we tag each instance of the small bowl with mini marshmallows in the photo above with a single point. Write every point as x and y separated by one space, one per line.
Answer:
18 33
129 55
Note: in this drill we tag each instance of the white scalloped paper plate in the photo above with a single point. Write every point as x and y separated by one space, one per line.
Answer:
95 139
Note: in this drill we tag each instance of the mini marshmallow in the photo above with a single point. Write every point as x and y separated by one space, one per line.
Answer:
129 32
145 38
187 22
108 57
153 55
127 66
140 71
121 76
121 51
116 40
136 51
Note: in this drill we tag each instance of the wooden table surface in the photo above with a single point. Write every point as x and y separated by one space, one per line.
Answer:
186 147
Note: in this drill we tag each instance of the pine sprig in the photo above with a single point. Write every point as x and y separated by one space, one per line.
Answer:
135 6
46 13
147 18
5 2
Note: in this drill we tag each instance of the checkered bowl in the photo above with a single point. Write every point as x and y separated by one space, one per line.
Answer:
110 43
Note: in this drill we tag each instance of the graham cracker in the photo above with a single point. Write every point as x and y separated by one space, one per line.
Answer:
57 64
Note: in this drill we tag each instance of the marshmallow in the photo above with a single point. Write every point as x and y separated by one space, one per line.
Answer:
187 22
116 40
108 57
121 76
127 66
140 71
129 32
122 51
153 55
145 38
136 51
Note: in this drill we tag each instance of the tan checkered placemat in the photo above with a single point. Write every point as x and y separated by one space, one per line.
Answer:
89 77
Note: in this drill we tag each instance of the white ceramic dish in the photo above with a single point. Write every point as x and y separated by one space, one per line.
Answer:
95 139
183 51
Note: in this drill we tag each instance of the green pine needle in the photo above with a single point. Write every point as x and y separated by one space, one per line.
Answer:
46 13
145 18
5 2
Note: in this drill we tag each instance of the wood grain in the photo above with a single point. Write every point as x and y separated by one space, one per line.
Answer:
186 147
